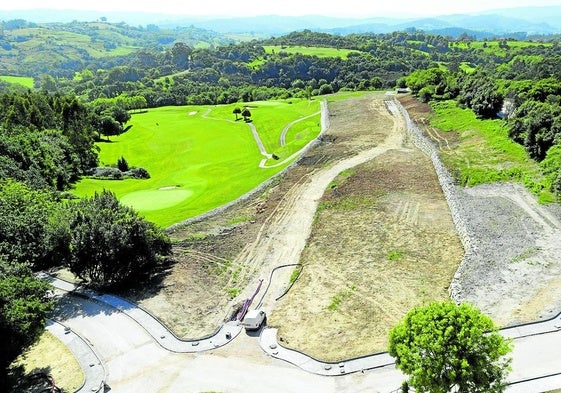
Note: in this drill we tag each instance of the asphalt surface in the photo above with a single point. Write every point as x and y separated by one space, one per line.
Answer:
90 363
118 350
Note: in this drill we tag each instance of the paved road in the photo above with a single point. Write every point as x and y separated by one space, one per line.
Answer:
135 360
90 363
112 304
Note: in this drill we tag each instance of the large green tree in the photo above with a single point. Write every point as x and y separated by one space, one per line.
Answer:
445 347
111 244
24 305
33 226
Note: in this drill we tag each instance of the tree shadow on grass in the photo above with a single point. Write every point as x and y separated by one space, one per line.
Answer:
39 380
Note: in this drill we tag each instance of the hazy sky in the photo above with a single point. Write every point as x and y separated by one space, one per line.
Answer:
354 8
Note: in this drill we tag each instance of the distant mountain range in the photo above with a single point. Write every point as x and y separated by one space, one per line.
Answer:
518 22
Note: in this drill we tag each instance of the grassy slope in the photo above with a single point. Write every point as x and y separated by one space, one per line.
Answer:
492 47
40 39
59 362
212 158
311 51
46 45
486 153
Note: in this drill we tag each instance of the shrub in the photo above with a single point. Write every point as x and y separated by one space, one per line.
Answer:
556 186
122 164
107 173
137 173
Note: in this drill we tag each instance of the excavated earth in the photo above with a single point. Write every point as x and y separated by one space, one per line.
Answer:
364 214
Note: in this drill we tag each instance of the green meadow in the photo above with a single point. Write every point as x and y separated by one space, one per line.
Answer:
200 157
25 81
311 51
494 47
485 153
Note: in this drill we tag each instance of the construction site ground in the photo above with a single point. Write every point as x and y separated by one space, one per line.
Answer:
381 241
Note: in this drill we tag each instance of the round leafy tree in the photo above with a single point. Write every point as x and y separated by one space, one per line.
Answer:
111 244
444 348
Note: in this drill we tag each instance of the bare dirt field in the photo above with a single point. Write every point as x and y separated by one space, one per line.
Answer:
364 214
383 242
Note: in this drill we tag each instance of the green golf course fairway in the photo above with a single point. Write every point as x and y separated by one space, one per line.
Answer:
200 157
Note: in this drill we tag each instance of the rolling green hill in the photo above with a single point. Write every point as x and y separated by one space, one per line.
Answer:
59 49
18 80
311 51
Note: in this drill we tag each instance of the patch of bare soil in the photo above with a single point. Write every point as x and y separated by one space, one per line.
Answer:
197 294
383 242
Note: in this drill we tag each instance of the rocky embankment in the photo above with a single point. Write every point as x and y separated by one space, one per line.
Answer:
511 268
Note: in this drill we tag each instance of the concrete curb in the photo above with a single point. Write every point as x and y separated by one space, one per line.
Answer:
161 334
90 363
269 344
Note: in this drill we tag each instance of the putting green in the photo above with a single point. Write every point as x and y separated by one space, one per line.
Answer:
149 200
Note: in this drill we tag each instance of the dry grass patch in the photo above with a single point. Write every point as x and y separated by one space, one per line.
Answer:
52 357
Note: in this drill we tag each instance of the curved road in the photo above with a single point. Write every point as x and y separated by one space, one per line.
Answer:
135 361
282 140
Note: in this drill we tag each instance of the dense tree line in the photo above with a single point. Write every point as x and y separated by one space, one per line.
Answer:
46 144
59 49
181 74
102 242
47 139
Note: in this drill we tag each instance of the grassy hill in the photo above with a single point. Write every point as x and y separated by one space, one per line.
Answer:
31 49
496 48
24 81
310 51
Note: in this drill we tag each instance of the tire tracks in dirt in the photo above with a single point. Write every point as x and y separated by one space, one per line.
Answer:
284 234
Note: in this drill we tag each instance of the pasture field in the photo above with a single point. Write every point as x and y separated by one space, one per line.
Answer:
25 81
200 157
482 151
311 51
